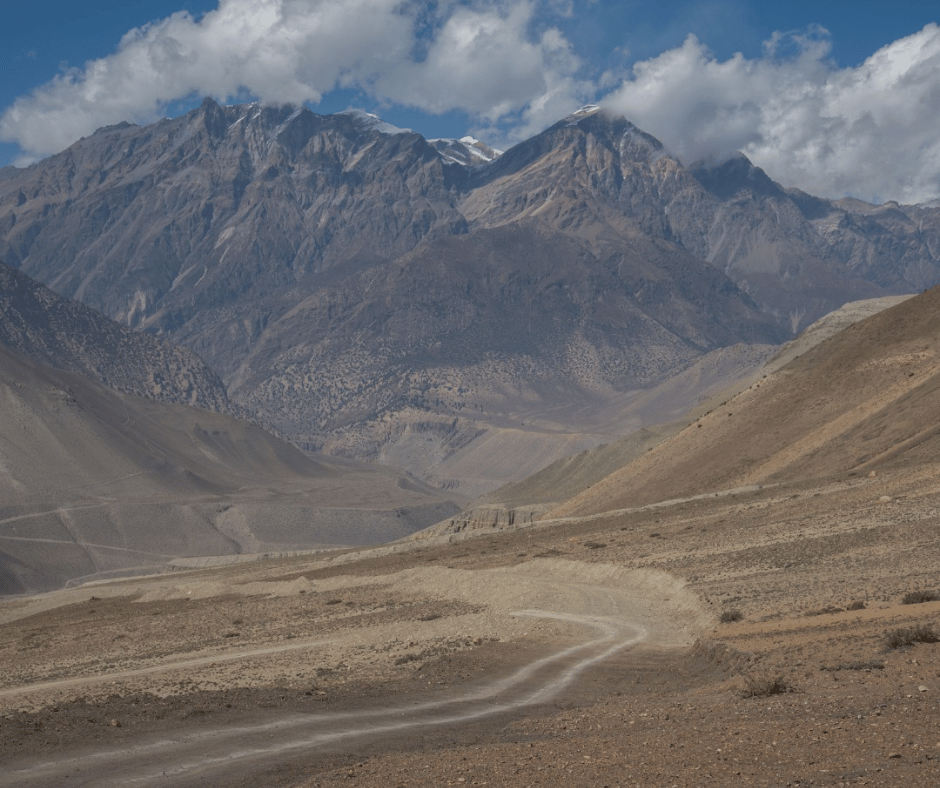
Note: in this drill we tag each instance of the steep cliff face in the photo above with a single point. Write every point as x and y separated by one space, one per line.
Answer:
347 279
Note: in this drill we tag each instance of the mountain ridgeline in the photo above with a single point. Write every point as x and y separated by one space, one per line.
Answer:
380 296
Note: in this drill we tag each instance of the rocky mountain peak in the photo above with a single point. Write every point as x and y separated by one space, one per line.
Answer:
589 129
725 178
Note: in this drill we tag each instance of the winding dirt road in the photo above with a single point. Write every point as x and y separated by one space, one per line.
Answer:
601 610
187 758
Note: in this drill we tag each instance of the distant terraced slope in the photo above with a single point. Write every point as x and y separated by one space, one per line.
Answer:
93 481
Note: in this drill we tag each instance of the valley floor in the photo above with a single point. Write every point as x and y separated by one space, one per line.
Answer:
581 652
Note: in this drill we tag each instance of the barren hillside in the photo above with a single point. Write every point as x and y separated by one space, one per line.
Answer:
861 401
783 633
94 481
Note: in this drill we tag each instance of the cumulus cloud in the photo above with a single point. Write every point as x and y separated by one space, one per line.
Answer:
868 131
483 62
278 50
435 57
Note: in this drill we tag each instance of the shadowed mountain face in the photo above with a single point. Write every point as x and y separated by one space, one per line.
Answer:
65 334
379 296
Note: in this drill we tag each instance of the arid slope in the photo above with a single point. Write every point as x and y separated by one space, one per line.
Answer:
93 480
863 400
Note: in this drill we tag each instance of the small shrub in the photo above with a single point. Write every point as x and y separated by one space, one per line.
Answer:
900 638
763 685
919 597
728 616
824 611
871 664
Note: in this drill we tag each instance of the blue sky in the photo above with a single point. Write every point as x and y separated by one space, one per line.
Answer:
835 97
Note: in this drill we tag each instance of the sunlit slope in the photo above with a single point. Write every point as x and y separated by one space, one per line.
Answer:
862 399
93 481
676 402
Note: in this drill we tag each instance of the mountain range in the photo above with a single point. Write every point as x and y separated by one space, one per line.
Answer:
464 314
747 568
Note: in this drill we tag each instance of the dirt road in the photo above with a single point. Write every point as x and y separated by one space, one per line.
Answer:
584 616
417 669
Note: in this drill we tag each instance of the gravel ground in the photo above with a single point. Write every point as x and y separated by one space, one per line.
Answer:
816 573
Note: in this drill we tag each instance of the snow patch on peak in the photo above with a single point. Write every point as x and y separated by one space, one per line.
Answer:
373 122
468 151
585 111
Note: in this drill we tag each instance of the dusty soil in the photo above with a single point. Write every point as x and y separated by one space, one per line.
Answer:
95 678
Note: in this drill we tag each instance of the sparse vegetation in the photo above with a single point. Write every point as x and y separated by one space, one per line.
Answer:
901 638
871 664
822 611
729 616
763 685
919 597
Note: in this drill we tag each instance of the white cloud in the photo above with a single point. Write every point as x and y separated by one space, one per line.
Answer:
480 59
277 50
482 62
868 131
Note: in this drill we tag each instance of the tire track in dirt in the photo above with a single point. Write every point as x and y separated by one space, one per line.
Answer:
190 757
105 678
597 609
